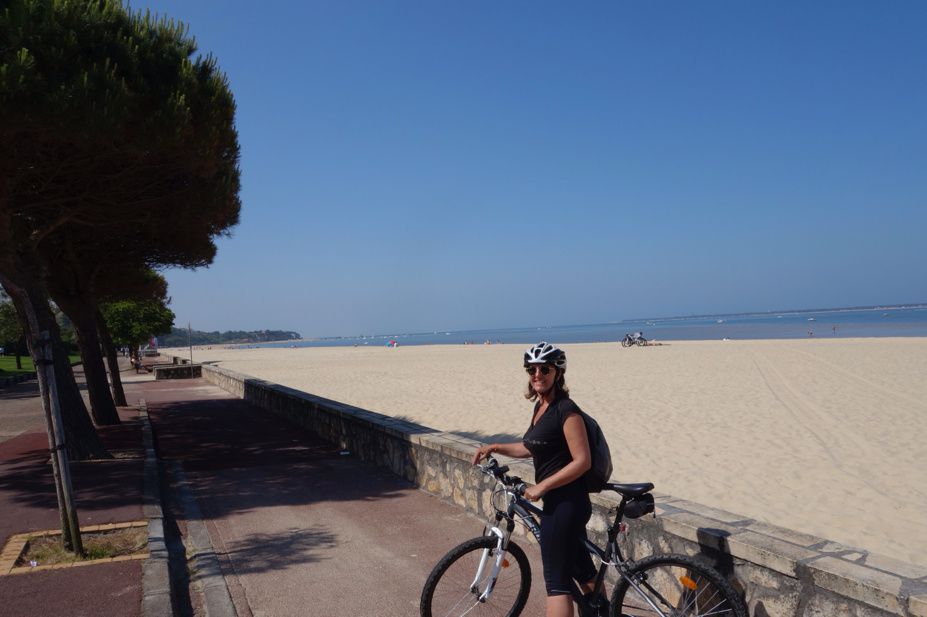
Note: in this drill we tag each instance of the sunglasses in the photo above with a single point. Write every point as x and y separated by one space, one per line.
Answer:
544 368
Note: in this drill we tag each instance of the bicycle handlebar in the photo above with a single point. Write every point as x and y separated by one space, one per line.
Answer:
492 468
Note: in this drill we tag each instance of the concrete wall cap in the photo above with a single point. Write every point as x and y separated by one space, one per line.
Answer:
895 566
698 529
770 552
917 605
852 580
713 513
788 535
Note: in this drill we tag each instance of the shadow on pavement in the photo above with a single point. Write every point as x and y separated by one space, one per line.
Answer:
99 485
19 391
105 491
267 551
240 459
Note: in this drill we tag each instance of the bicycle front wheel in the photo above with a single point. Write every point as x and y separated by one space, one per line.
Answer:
675 586
457 584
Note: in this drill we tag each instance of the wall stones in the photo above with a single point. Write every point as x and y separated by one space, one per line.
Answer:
177 371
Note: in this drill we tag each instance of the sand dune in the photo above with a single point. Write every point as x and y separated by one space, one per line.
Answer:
828 437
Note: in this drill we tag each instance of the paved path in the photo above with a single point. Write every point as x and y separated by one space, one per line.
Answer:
18 411
299 528
21 410
105 492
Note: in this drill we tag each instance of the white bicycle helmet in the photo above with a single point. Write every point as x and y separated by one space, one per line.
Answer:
545 353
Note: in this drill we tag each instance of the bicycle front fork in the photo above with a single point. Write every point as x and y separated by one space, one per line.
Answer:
492 563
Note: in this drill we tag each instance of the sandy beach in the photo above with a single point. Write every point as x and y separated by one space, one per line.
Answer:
828 437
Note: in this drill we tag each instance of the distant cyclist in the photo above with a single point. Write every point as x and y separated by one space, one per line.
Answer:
556 440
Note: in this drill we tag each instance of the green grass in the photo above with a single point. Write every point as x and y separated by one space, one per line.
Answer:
8 364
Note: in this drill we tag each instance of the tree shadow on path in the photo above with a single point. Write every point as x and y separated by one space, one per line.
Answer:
239 458
108 490
268 551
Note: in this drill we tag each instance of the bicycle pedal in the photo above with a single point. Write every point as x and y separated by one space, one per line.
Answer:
589 609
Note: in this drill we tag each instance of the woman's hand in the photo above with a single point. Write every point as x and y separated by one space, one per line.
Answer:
514 449
534 493
481 453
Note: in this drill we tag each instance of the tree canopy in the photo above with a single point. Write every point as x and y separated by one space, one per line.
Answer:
112 131
133 322
179 337
120 153
11 332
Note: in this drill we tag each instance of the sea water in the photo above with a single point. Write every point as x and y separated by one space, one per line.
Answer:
821 323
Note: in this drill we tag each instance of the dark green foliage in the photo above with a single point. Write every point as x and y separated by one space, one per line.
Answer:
123 281
113 131
68 336
179 337
11 332
133 322
12 338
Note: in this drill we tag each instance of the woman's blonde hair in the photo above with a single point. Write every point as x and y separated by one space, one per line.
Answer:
560 387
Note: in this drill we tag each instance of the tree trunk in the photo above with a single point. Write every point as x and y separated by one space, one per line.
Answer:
82 439
134 353
109 350
80 435
20 276
83 317
43 351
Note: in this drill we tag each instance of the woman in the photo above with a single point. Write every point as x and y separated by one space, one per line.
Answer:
557 442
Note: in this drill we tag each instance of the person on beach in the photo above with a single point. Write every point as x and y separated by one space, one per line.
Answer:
557 442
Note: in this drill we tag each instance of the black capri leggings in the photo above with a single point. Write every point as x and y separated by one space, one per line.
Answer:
563 526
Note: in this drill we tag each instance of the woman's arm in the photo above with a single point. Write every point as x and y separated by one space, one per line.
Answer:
574 429
515 449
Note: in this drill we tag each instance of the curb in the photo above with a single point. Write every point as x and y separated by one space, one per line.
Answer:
156 585
203 562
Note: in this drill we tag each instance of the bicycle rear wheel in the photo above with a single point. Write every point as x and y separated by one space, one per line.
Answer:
454 588
678 586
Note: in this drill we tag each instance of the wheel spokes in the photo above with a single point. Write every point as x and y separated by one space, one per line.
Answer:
459 590
680 592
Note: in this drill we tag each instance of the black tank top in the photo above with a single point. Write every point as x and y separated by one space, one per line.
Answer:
546 441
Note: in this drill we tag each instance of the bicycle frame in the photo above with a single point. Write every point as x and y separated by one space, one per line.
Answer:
526 511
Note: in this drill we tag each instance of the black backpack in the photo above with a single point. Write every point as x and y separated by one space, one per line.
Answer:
601 471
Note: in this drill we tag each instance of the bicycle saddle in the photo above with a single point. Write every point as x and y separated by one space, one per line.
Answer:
630 490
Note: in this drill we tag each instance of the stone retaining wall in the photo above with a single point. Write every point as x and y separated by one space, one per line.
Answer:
177 371
15 379
782 573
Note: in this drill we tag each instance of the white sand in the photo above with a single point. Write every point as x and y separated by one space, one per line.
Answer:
827 437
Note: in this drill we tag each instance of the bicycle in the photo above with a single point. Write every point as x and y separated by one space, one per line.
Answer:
491 575
637 338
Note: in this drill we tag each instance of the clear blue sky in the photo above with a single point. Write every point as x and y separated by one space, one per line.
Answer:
410 166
